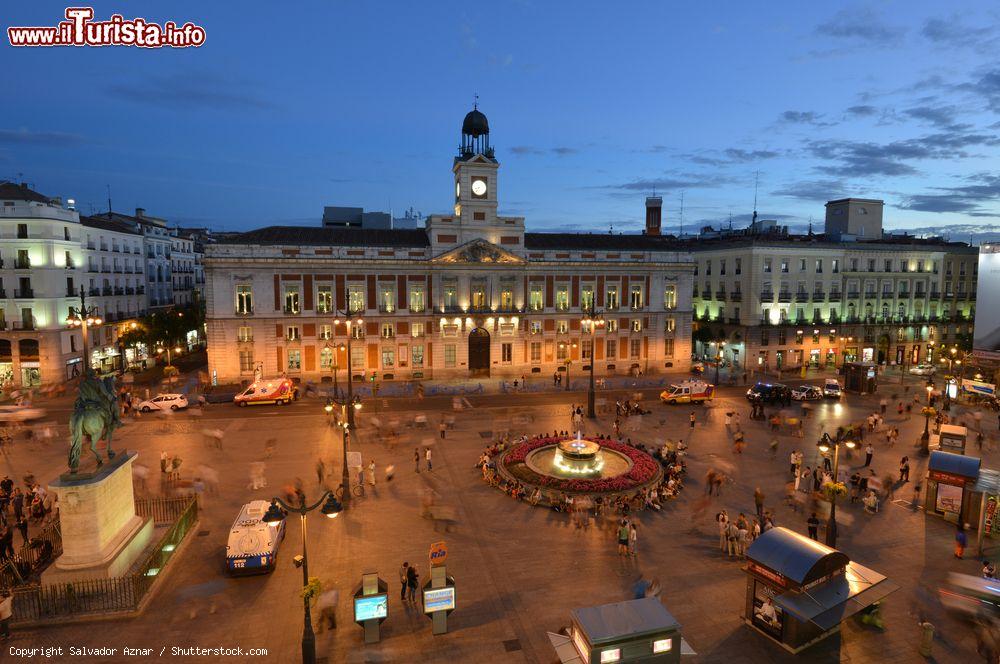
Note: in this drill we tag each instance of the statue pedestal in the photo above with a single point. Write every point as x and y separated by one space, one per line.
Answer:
101 533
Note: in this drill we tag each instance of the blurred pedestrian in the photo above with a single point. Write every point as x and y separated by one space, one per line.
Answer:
412 579
812 523
371 472
427 458
416 459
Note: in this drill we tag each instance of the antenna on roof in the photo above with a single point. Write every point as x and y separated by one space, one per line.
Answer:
730 220
475 101
109 200
756 179
611 229
681 217
810 225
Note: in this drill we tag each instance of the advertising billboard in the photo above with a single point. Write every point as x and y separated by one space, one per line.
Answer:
986 339
371 607
439 599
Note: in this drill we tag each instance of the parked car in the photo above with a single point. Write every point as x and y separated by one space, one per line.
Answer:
766 392
806 393
924 370
164 402
831 388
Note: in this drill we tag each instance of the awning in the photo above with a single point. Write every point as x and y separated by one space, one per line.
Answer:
838 598
795 556
988 482
955 464
564 649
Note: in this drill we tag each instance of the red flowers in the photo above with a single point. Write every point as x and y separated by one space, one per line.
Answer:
644 468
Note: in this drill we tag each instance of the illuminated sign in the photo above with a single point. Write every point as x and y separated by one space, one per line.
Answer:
767 574
439 599
371 607
663 645
438 553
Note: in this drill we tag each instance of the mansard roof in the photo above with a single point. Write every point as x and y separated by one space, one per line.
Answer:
339 237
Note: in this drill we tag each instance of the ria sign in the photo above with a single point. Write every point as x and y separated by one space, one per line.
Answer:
438 554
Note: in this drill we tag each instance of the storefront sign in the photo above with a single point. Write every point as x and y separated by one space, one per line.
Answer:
774 577
438 553
991 514
948 478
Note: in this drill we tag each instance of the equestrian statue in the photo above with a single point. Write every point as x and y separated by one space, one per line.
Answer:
95 415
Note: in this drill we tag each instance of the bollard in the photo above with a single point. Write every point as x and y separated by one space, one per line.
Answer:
926 638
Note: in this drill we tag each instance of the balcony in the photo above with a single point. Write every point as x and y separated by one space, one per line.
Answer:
129 290
22 263
767 296
244 338
854 295
23 293
736 296
70 265
802 296
140 290
107 290
695 293
24 325
733 321
93 292
819 296
119 291
870 295
90 245
92 268
391 310
720 295
784 297
291 311
451 309
71 292
245 312
834 296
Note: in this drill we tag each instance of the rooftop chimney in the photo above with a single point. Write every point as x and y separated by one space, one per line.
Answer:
654 206
139 212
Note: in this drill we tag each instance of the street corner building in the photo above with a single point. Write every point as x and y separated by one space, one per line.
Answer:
469 295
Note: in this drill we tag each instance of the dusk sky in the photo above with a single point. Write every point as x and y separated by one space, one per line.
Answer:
292 106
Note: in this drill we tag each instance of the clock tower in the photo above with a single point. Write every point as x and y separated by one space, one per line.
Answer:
475 185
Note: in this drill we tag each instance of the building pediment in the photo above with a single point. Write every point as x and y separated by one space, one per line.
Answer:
479 251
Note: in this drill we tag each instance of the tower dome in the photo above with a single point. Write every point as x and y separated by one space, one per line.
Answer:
475 135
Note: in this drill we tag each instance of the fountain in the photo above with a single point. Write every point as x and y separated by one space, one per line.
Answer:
577 458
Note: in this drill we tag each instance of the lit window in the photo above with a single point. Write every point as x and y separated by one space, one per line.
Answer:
612 655
324 299
663 645
294 360
449 355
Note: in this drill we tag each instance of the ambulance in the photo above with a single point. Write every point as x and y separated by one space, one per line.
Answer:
272 390
688 391
253 544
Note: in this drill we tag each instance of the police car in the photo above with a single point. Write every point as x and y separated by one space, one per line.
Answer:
253 544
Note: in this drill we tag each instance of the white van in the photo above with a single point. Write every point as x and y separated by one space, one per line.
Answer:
253 544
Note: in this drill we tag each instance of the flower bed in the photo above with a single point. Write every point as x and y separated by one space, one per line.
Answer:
644 468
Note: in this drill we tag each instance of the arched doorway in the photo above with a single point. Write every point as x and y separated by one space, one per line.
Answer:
479 352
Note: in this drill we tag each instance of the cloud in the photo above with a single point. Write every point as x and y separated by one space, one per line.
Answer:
732 156
804 117
531 150
666 183
812 190
988 87
981 189
25 136
189 91
863 158
861 25
951 32
941 116
861 111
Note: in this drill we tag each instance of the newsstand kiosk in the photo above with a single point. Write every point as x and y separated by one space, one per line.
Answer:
951 480
799 591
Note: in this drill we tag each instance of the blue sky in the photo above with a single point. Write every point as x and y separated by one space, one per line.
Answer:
292 106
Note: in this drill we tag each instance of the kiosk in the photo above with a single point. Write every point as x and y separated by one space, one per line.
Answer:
950 481
371 605
949 438
860 377
639 630
799 591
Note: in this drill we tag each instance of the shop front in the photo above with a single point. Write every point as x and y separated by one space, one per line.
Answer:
799 591
951 479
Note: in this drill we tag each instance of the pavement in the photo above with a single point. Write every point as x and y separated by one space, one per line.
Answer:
519 570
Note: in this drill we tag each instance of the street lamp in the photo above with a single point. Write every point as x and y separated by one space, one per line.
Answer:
349 320
825 444
925 437
275 514
335 365
569 360
347 408
84 317
718 360
592 320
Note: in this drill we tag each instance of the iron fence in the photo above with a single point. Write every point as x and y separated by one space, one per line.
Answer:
33 556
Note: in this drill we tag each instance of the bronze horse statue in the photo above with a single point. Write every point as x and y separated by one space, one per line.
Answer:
95 415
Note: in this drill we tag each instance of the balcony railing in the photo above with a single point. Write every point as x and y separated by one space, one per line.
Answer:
245 312
24 325
736 296
140 290
129 290
870 294
784 297
23 293
854 294
767 296
720 295
291 311
802 296
70 292
119 291
107 290
834 296
819 296
244 338
22 263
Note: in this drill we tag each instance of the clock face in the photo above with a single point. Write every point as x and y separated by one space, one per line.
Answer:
458 189
479 187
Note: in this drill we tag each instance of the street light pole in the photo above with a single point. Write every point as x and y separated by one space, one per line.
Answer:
83 317
348 322
925 438
331 508
824 446
593 321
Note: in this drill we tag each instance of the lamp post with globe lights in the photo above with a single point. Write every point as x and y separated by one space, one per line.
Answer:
825 444
84 317
347 407
349 319
592 320
925 437
331 508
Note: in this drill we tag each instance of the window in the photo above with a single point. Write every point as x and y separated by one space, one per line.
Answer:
294 360
325 332
291 299
611 298
357 357
562 298
450 295
765 336
634 347
417 356
417 299
587 297
767 265
449 355
802 265
612 348
478 295
388 330
636 296
416 329
722 267
536 298
388 357
586 349
835 265
506 353
536 327
637 325
355 298
324 299
612 325
326 359
819 266
246 360
244 333
854 265
669 325
738 267
562 327
387 299
670 297
22 231
871 264
663 645
562 351
536 351
888 265
506 295
784 265
292 333
920 266
668 348
708 268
